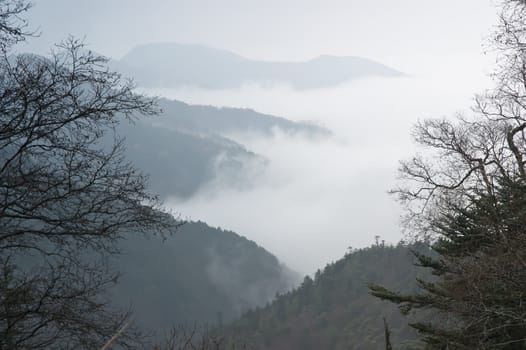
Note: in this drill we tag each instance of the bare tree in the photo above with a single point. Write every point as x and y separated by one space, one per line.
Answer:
67 195
13 27
185 337
468 156
467 193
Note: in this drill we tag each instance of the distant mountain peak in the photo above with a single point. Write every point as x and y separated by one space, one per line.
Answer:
171 65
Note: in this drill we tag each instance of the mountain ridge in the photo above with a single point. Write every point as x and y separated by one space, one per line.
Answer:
200 274
172 65
189 146
334 310
224 120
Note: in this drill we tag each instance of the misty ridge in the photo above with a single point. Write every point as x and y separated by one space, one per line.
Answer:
170 65
196 152
201 275
233 160
199 139
192 151
188 146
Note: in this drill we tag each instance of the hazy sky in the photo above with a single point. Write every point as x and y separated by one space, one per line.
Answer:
316 199
404 33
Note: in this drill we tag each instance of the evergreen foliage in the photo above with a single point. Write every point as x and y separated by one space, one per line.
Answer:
478 300
201 275
334 310
471 202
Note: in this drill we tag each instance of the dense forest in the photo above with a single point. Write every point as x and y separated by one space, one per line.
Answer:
334 310
200 275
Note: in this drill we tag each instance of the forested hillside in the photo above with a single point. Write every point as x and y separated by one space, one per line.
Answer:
226 120
200 274
335 310
179 163
187 146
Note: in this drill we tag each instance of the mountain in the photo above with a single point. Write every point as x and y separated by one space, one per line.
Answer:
175 65
224 121
180 163
200 274
187 146
334 310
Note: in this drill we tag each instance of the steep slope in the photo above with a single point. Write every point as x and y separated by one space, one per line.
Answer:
225 120
187 146
174 65
180 163
200 274
335 310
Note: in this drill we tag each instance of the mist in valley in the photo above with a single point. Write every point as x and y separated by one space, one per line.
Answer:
315 198
280 131
318 197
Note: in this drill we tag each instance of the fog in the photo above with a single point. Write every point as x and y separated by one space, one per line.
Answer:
318 198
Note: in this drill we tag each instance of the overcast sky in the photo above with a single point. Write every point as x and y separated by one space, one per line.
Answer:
404 33
316 199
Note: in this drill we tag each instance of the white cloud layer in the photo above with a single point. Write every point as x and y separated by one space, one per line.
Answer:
317 198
